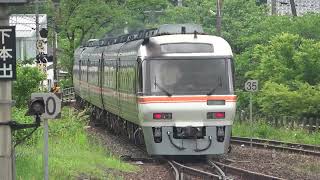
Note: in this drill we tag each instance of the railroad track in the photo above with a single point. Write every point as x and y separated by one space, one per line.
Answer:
278 145
242 173
215 170
183 171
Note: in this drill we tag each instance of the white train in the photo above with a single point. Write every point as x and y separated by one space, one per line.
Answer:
170 88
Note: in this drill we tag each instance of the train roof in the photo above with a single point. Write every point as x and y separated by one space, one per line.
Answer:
166 29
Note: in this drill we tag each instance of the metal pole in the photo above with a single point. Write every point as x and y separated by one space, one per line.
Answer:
251 121
273 7
37 24
293 8
46 149
218 18
54 50
5 113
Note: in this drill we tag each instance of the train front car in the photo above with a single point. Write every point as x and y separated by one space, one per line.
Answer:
187 102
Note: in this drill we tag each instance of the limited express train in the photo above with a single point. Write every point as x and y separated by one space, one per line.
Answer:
171 88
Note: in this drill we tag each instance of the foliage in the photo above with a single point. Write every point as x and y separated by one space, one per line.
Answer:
262 129
65 83
72 153
28 81
19 116
287 69
299 100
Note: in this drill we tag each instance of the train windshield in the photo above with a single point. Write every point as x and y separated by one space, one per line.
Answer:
188 77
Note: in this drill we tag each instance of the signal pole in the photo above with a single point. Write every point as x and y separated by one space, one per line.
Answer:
273 7
55 43
293 8
5 113
37 24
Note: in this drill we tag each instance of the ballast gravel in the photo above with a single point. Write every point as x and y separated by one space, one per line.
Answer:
280 164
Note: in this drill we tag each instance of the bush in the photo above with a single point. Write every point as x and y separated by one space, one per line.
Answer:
65 83
28 81
299 99
72 152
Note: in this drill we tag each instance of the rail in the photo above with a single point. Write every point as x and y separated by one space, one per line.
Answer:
278 145
181 171
244 174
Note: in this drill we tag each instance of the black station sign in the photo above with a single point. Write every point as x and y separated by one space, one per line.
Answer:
7 53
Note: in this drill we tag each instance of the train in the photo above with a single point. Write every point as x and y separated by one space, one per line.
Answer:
170 88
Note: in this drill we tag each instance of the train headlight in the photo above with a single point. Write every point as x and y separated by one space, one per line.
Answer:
216 115
162 115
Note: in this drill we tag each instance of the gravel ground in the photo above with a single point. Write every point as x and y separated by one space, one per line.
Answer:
120 147
275 163
281 164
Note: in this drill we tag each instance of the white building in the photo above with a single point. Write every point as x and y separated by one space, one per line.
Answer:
283 7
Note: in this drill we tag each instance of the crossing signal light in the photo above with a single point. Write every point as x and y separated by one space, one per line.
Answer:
43 58
43 33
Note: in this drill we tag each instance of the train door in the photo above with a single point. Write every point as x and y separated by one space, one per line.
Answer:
118 85
78 78
87 81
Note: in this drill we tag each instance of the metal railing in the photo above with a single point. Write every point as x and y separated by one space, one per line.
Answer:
68 94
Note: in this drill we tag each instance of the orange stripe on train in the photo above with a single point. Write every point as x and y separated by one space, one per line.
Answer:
145 100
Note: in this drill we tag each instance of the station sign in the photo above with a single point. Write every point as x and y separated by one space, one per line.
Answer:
7 53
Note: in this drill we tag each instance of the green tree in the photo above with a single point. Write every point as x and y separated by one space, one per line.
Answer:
80 20
28 81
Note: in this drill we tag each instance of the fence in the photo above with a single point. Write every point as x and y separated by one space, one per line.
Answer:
311 123
68 95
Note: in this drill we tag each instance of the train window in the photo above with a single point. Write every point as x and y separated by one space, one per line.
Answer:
190 76
187 48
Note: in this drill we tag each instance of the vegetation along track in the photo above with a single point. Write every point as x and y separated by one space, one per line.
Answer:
279 145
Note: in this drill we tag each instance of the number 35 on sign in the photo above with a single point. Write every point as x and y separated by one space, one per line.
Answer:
251 85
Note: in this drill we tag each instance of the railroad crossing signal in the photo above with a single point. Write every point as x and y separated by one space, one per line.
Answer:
251 85
52 104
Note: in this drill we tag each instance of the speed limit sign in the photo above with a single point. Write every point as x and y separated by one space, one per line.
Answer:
251 85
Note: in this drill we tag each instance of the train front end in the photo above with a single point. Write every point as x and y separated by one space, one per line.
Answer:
187 102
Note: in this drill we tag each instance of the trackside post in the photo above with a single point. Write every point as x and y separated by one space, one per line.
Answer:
251 86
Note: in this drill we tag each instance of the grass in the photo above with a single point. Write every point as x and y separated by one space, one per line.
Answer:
72 153
261 129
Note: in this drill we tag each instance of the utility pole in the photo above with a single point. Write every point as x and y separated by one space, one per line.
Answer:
55 43
218 17
5 113
293 8
273 7
37 24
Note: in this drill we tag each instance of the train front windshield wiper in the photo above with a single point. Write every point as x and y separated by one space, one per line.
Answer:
215 88
161 88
